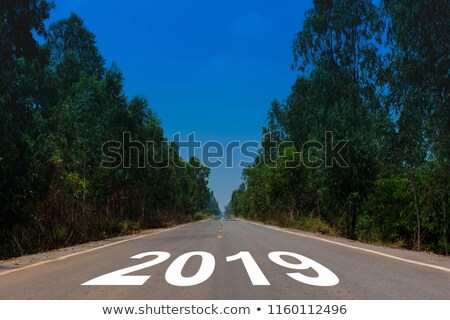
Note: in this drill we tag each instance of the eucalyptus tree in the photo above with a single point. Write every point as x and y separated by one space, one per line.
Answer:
418 78
337 49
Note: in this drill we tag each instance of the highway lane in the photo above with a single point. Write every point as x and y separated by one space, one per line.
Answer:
363 272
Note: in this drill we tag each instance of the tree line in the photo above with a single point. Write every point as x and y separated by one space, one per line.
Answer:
59 103
376 76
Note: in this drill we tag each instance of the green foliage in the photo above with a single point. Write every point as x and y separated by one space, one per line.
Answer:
315 224
198 216
213 206
125 227
61 235
388 212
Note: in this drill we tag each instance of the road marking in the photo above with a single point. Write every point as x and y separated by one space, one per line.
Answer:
325 277
219 237
86 251
220 230
357 248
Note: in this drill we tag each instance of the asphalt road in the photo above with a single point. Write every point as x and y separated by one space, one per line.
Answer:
193 265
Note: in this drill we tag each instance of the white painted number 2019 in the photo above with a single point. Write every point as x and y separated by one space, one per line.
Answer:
325 277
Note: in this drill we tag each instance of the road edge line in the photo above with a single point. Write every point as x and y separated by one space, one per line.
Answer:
423 264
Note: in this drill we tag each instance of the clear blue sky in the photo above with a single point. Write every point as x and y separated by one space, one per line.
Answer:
209 67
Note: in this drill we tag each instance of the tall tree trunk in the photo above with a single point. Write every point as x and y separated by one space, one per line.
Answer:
353 226
416 205
445 228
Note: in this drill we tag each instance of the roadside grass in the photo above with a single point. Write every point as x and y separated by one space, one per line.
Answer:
316 225
200 216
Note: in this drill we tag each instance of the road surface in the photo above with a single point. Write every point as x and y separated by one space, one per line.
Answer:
190 262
